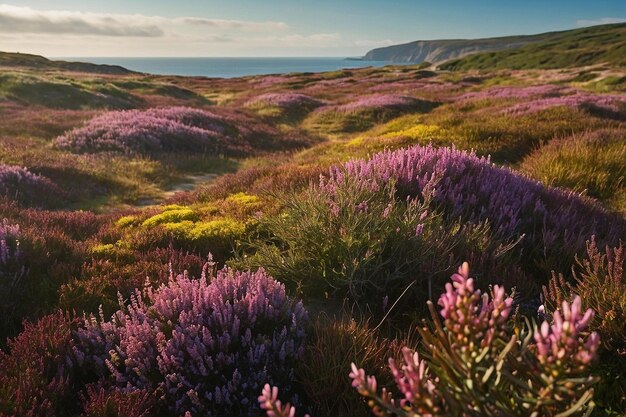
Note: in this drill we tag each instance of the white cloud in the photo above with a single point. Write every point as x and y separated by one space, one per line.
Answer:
15 19
77 33
374 43
233 24
601 21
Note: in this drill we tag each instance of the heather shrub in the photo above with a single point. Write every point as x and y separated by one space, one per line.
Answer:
551 224
206 347
475 362
365 112
26 188
115 273
591 162
36 371
100 402
155 130
598 279
52 249
606 105
366 243
12 271
161 131
286 106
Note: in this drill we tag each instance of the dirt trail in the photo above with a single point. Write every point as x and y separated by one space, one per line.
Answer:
188 183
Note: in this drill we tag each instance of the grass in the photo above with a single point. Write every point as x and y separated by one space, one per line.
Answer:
576 48
589 162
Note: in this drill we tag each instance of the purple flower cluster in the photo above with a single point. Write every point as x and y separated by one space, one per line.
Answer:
582 100
285 100
152 131
9 242
17 183
378 101
472 188
535 91
208 347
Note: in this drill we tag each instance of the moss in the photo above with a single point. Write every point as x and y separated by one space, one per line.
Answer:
222 228
172 215
126 221
103 251
243 199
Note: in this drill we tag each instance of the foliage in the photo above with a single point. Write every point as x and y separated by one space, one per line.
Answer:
598 279
335 343
346 239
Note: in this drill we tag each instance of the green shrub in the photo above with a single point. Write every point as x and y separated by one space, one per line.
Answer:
367 244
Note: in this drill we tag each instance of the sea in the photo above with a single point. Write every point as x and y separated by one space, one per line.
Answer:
230 67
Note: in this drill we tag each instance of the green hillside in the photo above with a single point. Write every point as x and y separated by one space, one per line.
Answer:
574 48
16 59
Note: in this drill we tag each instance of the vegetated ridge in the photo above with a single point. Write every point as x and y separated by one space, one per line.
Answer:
577 47
16 59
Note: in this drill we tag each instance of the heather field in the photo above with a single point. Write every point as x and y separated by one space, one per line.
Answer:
190 246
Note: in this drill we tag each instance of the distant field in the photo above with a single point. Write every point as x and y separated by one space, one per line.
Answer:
349 198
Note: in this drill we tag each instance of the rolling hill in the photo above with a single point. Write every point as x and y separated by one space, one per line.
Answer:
577 47
19 60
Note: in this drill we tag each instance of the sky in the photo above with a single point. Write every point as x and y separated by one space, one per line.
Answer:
278 28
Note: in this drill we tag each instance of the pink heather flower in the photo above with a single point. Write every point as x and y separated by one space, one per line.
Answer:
562 339
365 385
268 400
412 378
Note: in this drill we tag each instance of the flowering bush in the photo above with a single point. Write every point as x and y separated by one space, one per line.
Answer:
553 224
364 112
174 129
36 371
155 130
507 92
23 186
588 101
206 347
283 104
12 271
476 364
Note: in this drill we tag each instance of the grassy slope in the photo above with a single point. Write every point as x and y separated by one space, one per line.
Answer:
12 59
575 48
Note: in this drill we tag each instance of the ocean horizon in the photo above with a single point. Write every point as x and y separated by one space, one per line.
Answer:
229 67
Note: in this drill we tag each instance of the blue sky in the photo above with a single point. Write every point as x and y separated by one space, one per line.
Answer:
274 28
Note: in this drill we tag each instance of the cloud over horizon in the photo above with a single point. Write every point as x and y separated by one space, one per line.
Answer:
601 21
74 33
16 19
